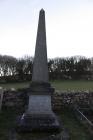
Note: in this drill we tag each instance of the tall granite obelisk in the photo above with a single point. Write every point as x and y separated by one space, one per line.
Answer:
39 114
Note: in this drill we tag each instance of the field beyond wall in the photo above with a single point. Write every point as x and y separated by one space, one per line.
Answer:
59 85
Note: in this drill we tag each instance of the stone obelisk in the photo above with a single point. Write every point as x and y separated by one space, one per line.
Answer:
40 67
39 115
40 78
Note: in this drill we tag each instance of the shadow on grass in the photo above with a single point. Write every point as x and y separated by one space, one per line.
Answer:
76 130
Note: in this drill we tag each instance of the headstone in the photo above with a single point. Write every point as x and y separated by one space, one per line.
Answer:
1 97
39 115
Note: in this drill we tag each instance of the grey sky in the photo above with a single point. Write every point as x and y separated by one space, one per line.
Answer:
69 27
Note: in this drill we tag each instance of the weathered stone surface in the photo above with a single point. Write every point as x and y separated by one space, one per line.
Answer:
14 98
38 122
72 98
40 66
40 88
39 104
39 115
59 99
1 97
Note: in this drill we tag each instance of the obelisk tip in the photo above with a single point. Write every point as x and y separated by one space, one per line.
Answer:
42 10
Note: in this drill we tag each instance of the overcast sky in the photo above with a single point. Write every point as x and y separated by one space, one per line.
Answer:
69 27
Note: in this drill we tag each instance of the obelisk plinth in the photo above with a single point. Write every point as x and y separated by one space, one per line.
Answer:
39 115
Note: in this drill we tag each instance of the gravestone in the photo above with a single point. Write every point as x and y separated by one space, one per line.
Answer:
39 115
1 97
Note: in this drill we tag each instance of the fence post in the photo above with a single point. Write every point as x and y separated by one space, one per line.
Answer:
1 97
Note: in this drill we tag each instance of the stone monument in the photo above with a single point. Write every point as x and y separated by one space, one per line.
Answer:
1 97
39 115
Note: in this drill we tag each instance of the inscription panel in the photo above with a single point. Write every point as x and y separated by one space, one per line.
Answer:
39 104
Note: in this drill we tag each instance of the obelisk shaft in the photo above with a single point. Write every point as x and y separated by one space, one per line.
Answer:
40 66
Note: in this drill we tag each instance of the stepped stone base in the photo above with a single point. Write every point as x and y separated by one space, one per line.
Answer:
40 88
37 122
39 115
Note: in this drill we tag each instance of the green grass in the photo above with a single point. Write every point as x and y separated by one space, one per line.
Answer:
73 85
76 130
15 85
7 117
59 85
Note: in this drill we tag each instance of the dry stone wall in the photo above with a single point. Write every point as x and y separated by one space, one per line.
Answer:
70 98
59 99
13 98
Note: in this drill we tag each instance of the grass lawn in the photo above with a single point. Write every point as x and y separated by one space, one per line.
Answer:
77 132
59 85
15 85
73 85
7 117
